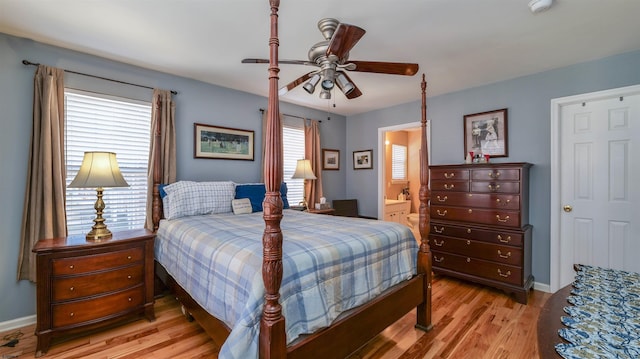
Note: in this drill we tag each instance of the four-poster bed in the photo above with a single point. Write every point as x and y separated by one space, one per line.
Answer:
352 328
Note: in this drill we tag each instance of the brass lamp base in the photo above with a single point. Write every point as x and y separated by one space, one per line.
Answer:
99 234
99 230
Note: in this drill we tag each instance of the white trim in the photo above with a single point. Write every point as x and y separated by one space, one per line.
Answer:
381 157
542 287
556 108
17 323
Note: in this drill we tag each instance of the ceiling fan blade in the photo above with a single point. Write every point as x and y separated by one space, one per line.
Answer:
293 84
291 62
356 91
344 39
392 68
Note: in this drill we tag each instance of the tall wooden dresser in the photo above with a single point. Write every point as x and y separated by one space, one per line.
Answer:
480 227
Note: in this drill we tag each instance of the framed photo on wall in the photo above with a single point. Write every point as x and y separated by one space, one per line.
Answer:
330 159
222 143
486 133
363 160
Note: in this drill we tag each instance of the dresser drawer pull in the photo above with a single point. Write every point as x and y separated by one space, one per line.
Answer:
441 214
435 241
468 230
494 174
71 314
129 257
71 266
447 186
506 219
470 211
438 260
72 289
504 240
504 255
499 201
128 277
505 275
438 231
494 187
444 199
449 175
468 242
131 300
468 260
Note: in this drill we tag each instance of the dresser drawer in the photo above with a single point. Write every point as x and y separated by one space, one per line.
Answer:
475 215
449 174
498 201
479 268
495 174
83 264
450 186
476 249
485 235
77 312
97 283
495 187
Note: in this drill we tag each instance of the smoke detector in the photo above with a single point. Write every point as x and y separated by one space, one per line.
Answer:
537 6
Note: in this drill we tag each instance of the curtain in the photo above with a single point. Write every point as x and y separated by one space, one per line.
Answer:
43 214
163 120
313 189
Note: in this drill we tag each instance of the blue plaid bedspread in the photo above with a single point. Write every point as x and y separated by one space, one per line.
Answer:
330 265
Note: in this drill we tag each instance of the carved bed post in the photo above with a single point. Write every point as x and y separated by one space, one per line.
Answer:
157 167
272 325
424 254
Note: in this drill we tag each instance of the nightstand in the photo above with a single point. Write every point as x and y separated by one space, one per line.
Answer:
83 285
322 211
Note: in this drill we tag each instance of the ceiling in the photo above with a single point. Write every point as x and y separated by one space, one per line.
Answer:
457 43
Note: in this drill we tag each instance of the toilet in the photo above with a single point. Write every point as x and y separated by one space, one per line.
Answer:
413 220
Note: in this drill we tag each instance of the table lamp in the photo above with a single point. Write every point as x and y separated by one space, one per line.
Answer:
98 170
304 171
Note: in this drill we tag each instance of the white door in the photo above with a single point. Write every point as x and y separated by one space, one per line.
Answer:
599 184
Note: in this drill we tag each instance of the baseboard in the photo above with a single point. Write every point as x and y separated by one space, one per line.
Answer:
542 287
17 323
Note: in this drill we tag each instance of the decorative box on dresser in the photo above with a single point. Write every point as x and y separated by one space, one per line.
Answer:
84 285
480 227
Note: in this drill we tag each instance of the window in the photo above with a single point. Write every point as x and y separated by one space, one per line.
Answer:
97 122
398 163
293 149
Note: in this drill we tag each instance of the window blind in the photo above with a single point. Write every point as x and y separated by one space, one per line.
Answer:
96 122
398 162
293 150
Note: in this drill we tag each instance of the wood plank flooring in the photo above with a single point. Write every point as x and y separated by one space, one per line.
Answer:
470 321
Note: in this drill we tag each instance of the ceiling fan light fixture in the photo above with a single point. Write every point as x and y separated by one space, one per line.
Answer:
325 94
537 6
310 86
344 84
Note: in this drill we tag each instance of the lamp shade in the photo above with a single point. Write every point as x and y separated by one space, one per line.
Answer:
303 170
99 169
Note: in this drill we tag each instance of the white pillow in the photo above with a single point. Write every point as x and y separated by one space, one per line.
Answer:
188 198
241 206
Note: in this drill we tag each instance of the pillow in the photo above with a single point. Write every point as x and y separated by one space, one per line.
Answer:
188 198
241 206
255 192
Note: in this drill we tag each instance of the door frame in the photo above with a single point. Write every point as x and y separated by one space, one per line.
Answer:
555 211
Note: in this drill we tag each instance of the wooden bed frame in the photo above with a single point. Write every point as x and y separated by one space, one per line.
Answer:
549 323
351 330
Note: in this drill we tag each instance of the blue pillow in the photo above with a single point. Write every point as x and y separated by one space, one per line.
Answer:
256 192
161 190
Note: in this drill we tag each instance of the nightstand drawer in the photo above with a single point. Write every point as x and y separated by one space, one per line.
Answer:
83 264
97 283
77 312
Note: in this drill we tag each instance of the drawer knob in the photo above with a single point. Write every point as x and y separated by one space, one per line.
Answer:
71 314
470 211
72 289
447 186
468 242
504 240
129 257
494 174
443 199
435 241
504 255
71 266
130 299
468 230
505 275
449 175
506 218
128 277
438 231
438 260
441 214
468 260
494 187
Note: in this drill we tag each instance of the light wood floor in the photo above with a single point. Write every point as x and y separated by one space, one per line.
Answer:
470 321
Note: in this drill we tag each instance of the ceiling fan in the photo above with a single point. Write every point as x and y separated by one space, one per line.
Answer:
331 56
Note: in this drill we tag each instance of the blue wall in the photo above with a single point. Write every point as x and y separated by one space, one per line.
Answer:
528 100
196 102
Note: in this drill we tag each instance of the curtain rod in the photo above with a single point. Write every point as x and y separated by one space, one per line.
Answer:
294 116
27 62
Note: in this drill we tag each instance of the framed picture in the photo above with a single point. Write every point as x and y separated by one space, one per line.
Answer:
222 143
330 159
363 160
486 133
